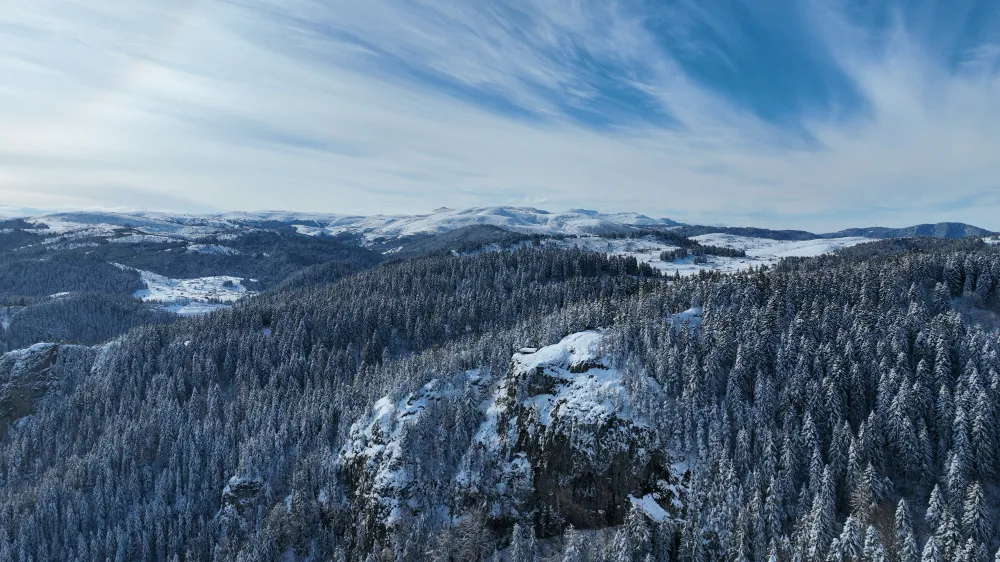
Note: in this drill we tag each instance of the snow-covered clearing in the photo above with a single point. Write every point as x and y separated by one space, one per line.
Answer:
213 249
142 239
760 251
191 297
766 248
645 249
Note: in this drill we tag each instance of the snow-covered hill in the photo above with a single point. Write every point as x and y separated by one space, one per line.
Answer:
760 251
191 297
108 224
518 219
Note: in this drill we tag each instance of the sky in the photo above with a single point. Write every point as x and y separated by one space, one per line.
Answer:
814 114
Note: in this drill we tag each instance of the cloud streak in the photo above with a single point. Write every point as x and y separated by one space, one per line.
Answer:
793 114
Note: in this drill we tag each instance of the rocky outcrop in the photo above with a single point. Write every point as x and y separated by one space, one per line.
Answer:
554 439
569 445
27 375
241 495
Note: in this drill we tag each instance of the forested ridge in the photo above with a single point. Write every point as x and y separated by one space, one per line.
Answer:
837 408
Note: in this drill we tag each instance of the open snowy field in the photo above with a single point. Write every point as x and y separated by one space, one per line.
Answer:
190 297
760 251
766 248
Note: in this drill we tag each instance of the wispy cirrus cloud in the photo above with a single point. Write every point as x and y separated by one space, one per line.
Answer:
813 114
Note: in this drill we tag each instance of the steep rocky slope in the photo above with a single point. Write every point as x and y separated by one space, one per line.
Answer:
28 375
554 440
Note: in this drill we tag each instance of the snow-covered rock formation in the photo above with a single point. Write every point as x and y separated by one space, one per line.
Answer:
28 375
556 440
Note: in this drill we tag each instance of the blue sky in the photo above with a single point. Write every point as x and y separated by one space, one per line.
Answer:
808 114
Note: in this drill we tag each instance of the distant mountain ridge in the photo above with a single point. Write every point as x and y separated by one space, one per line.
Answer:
522 220
939 230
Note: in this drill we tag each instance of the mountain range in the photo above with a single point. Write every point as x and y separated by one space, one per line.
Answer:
500 384
527 220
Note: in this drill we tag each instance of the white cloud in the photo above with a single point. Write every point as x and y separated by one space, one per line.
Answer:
206 104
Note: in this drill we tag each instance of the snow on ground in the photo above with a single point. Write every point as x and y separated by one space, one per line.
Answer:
589 398
213 249
760 251
574 349
309 230
518 219
379 443
645 249
647 504
766 248
108 224
142 239
692 316
189 297
577 399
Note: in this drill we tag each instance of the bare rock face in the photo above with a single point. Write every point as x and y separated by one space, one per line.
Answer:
242 495
27 375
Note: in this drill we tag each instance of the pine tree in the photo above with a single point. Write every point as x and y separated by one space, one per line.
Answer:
935 508
947 535
523 547
975 519
575 550
931 552
906 542
849 546
638 531
874 549
622 549
821 519
772 555
863 497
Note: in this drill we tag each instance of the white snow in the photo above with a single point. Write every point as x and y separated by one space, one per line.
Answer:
572 350
519 219
582 399
213 249
189 297
109 224
377 441
587 398
309 230
760 252
647 249
649 506
692 316
766 248
142 239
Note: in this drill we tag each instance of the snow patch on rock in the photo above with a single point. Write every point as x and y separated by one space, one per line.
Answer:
376 454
